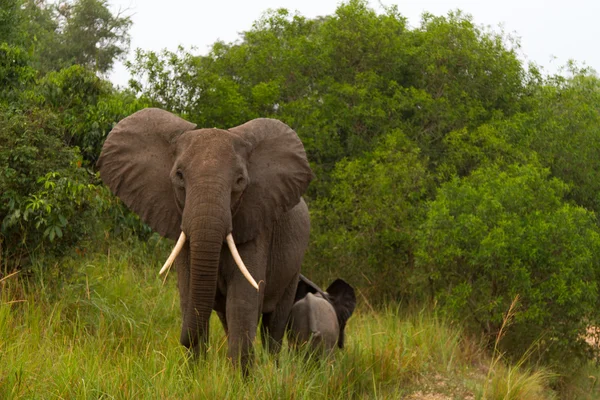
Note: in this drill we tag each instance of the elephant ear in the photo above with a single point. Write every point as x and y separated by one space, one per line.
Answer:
342 296
136 161
306 286
278 171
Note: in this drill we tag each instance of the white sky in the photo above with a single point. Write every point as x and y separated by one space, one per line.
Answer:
551 31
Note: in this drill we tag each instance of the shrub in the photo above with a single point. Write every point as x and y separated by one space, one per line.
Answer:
45 193
87 107
501 233
15 72
365 229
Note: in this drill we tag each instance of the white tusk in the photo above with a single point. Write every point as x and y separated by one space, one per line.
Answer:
174 253
239 262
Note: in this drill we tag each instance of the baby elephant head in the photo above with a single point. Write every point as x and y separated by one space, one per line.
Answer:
320 317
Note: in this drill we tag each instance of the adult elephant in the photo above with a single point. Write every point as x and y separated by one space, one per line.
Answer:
203 187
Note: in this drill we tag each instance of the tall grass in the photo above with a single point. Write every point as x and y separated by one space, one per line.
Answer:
109 329
516 381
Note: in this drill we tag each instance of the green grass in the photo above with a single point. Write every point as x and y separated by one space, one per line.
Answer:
109 329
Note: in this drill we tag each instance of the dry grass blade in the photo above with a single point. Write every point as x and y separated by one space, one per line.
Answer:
9 275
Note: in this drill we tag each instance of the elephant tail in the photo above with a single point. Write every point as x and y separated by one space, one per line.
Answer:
313 325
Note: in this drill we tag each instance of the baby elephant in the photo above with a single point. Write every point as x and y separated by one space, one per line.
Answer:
320 317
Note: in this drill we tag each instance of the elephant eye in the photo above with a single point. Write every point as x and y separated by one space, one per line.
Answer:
240 183
179 178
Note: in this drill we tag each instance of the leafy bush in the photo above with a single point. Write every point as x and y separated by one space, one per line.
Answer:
15 72
50 197
368 222
497 234
490 143
43 189
49 200
560 129
565 131
88 107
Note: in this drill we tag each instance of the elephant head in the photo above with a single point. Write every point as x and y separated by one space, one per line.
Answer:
202 186
320 316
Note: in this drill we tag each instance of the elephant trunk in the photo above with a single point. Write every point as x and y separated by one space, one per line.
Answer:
204 265
207 220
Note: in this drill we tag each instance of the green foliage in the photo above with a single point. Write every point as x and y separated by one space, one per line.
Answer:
565 131
91 35
89 107
560 127
52 127
178 82
499 233
36 30
9 19
46 199
15 73
468 149
344 80
468 73
60 34
369 221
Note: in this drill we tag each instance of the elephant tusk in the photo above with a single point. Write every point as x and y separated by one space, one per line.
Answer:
239 262
174 253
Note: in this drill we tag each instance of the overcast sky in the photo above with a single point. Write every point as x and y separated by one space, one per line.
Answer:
551 31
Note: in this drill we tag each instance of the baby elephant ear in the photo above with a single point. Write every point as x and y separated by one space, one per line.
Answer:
135 164
343 299
306 286
278 171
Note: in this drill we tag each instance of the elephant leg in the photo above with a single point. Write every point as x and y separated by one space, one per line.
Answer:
289 242
276 321
244 303
242 320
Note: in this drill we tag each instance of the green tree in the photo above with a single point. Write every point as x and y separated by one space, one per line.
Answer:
367 224
16 74
56 36
498 234
495 142
9 20
565 131
44 193
559 124
90 35
343 81
52 126
39 31
181 83
89 107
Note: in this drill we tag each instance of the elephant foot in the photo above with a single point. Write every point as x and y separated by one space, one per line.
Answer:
243 362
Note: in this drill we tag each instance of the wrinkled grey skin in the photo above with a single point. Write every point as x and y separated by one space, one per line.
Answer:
319 317
246 180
